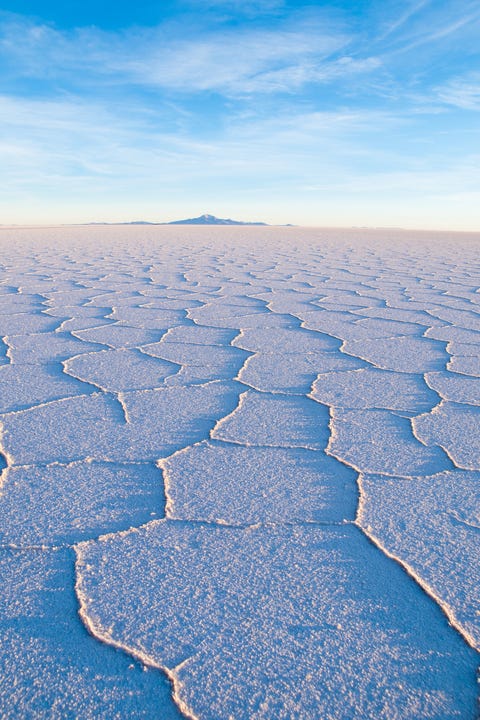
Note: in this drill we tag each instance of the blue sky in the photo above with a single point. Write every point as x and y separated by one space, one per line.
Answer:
346 113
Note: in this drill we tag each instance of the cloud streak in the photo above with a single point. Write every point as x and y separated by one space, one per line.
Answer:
403 19
222 59
461 92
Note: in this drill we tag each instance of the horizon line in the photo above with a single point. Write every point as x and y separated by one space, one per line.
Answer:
291 226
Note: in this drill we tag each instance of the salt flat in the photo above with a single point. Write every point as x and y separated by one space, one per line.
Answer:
240 473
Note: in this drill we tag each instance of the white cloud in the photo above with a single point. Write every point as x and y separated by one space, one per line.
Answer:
282 58
74 143
463 92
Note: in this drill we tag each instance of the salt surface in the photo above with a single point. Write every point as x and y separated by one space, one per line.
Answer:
259 447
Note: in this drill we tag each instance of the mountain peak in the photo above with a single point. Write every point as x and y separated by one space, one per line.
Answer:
207 219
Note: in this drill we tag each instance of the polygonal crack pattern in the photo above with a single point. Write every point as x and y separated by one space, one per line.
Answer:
258 467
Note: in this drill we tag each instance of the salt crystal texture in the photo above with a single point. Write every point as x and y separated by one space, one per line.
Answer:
246 458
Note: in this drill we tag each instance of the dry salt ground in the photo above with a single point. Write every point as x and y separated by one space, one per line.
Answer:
241 474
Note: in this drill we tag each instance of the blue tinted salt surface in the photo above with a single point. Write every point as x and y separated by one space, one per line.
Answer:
240 473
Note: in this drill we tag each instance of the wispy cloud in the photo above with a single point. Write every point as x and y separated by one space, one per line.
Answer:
444 31
229 61
75 140
402 20
461 92
425 23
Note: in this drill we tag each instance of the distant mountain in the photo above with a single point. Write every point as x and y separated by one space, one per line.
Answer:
202 220
212 220
139 222
132 222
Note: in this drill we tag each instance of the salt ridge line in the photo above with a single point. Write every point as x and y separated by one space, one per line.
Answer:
448 611
440 382
99 634
116 353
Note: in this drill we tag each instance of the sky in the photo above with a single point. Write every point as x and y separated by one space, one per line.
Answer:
346 113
